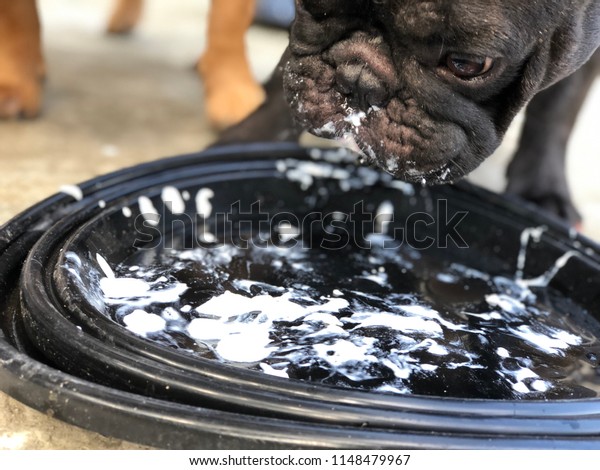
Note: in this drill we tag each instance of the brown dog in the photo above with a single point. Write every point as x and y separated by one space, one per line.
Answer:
231 92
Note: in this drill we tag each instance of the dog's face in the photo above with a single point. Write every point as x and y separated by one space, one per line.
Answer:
427 88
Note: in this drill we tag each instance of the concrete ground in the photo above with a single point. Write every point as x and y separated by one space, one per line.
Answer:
114 102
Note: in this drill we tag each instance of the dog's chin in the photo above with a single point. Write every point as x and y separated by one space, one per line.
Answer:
400 137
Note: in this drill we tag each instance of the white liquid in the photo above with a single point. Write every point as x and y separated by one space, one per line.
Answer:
72 190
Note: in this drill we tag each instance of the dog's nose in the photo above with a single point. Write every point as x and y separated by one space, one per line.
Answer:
365 72
361 86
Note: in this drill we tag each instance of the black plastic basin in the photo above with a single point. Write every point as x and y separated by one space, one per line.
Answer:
477 320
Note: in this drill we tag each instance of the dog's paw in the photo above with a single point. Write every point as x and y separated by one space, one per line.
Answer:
20 95
555 202
231 102
230 92
125 16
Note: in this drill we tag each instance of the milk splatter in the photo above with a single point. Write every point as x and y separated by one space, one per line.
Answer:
137 288
388 320
203 204
143 323
287 231
328 166
173 200
406 188
532 233
355 118
305 172
72 190
148 210
104 266
544 279
313 318
383 217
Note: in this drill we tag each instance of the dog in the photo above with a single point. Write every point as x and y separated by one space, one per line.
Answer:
427 88
231 91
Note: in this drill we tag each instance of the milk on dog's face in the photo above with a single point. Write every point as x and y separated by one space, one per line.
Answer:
426 89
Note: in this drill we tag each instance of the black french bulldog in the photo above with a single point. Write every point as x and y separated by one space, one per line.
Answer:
428 88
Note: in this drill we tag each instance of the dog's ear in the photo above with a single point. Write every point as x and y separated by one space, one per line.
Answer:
573 41
556 54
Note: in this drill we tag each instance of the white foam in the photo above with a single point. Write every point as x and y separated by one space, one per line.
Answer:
72 190
540 385
445 174
104 266
276 328
287 231
378 278
485 316
342 351
206 329
281 307
395 322
525 373
173 199
203 205
327 129
520 387
384 216
305 172
503 352
123 287
436 349
447 278
391 164
148 210
207 237
267 369
505 303
355 118
545 279
171 314
405 188
250 345
134 291
531 233
556 342
323 317
143 323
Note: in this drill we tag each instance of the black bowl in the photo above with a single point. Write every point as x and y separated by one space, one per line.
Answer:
66 350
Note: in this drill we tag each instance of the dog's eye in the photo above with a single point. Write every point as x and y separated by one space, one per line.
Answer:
468 66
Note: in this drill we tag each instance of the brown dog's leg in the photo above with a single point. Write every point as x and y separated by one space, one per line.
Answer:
125 15
231 92
272 121
21 60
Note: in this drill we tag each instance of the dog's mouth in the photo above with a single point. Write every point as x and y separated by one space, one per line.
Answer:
447 172
333 97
